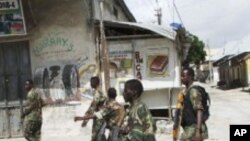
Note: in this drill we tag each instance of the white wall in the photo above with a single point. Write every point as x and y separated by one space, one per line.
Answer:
157 87
63 36
143 46
216 74
172 77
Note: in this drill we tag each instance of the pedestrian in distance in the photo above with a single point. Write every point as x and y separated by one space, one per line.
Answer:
140 125
32 113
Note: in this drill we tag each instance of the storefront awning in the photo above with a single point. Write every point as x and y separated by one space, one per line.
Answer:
160 30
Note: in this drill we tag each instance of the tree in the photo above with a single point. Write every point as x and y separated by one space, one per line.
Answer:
196 53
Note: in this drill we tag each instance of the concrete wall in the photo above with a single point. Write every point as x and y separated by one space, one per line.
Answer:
216 74
63 36
109 6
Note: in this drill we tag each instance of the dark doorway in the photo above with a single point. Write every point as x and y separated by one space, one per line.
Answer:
15 68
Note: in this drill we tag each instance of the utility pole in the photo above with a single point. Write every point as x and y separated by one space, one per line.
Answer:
104 51
238 47
209 62
224 48
158 13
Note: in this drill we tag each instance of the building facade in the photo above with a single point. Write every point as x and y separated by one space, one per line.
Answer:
57 43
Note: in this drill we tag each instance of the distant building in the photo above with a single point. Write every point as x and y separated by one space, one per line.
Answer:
234 70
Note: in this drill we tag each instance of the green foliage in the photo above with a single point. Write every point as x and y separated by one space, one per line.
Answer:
196 53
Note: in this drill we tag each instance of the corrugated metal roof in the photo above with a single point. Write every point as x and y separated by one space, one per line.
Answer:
163 31
242 55
222 59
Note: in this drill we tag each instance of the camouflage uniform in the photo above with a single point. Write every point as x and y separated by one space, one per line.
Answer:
140 124
33 116
97 102
113 113
189 131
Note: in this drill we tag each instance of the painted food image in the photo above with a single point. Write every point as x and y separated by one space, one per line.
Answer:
159 64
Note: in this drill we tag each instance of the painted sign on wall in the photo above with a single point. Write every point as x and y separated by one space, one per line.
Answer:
11 18
53 43
157 61
120 61
8 4
138 61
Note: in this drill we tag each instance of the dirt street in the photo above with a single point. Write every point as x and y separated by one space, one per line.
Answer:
228 107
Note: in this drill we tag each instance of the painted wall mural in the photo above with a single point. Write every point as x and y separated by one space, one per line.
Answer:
157 62
58 83
63 83
86 70
53 43
68 66
121 63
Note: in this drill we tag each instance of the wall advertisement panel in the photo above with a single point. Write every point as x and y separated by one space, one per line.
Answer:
157 62
11 18
121 64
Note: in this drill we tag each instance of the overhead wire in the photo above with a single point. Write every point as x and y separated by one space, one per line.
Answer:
165 15
169 8
151 5
178 13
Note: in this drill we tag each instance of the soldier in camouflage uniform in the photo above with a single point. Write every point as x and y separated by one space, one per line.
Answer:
32 113
140 125
112 113
96 104
197 131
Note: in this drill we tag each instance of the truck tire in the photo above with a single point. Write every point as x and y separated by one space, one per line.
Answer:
41 81
70 79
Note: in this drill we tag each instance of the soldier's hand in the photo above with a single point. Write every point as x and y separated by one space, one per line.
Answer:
123 130
84 123
197 136
77 118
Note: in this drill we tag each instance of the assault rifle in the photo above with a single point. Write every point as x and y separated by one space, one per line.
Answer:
100 136
115 134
